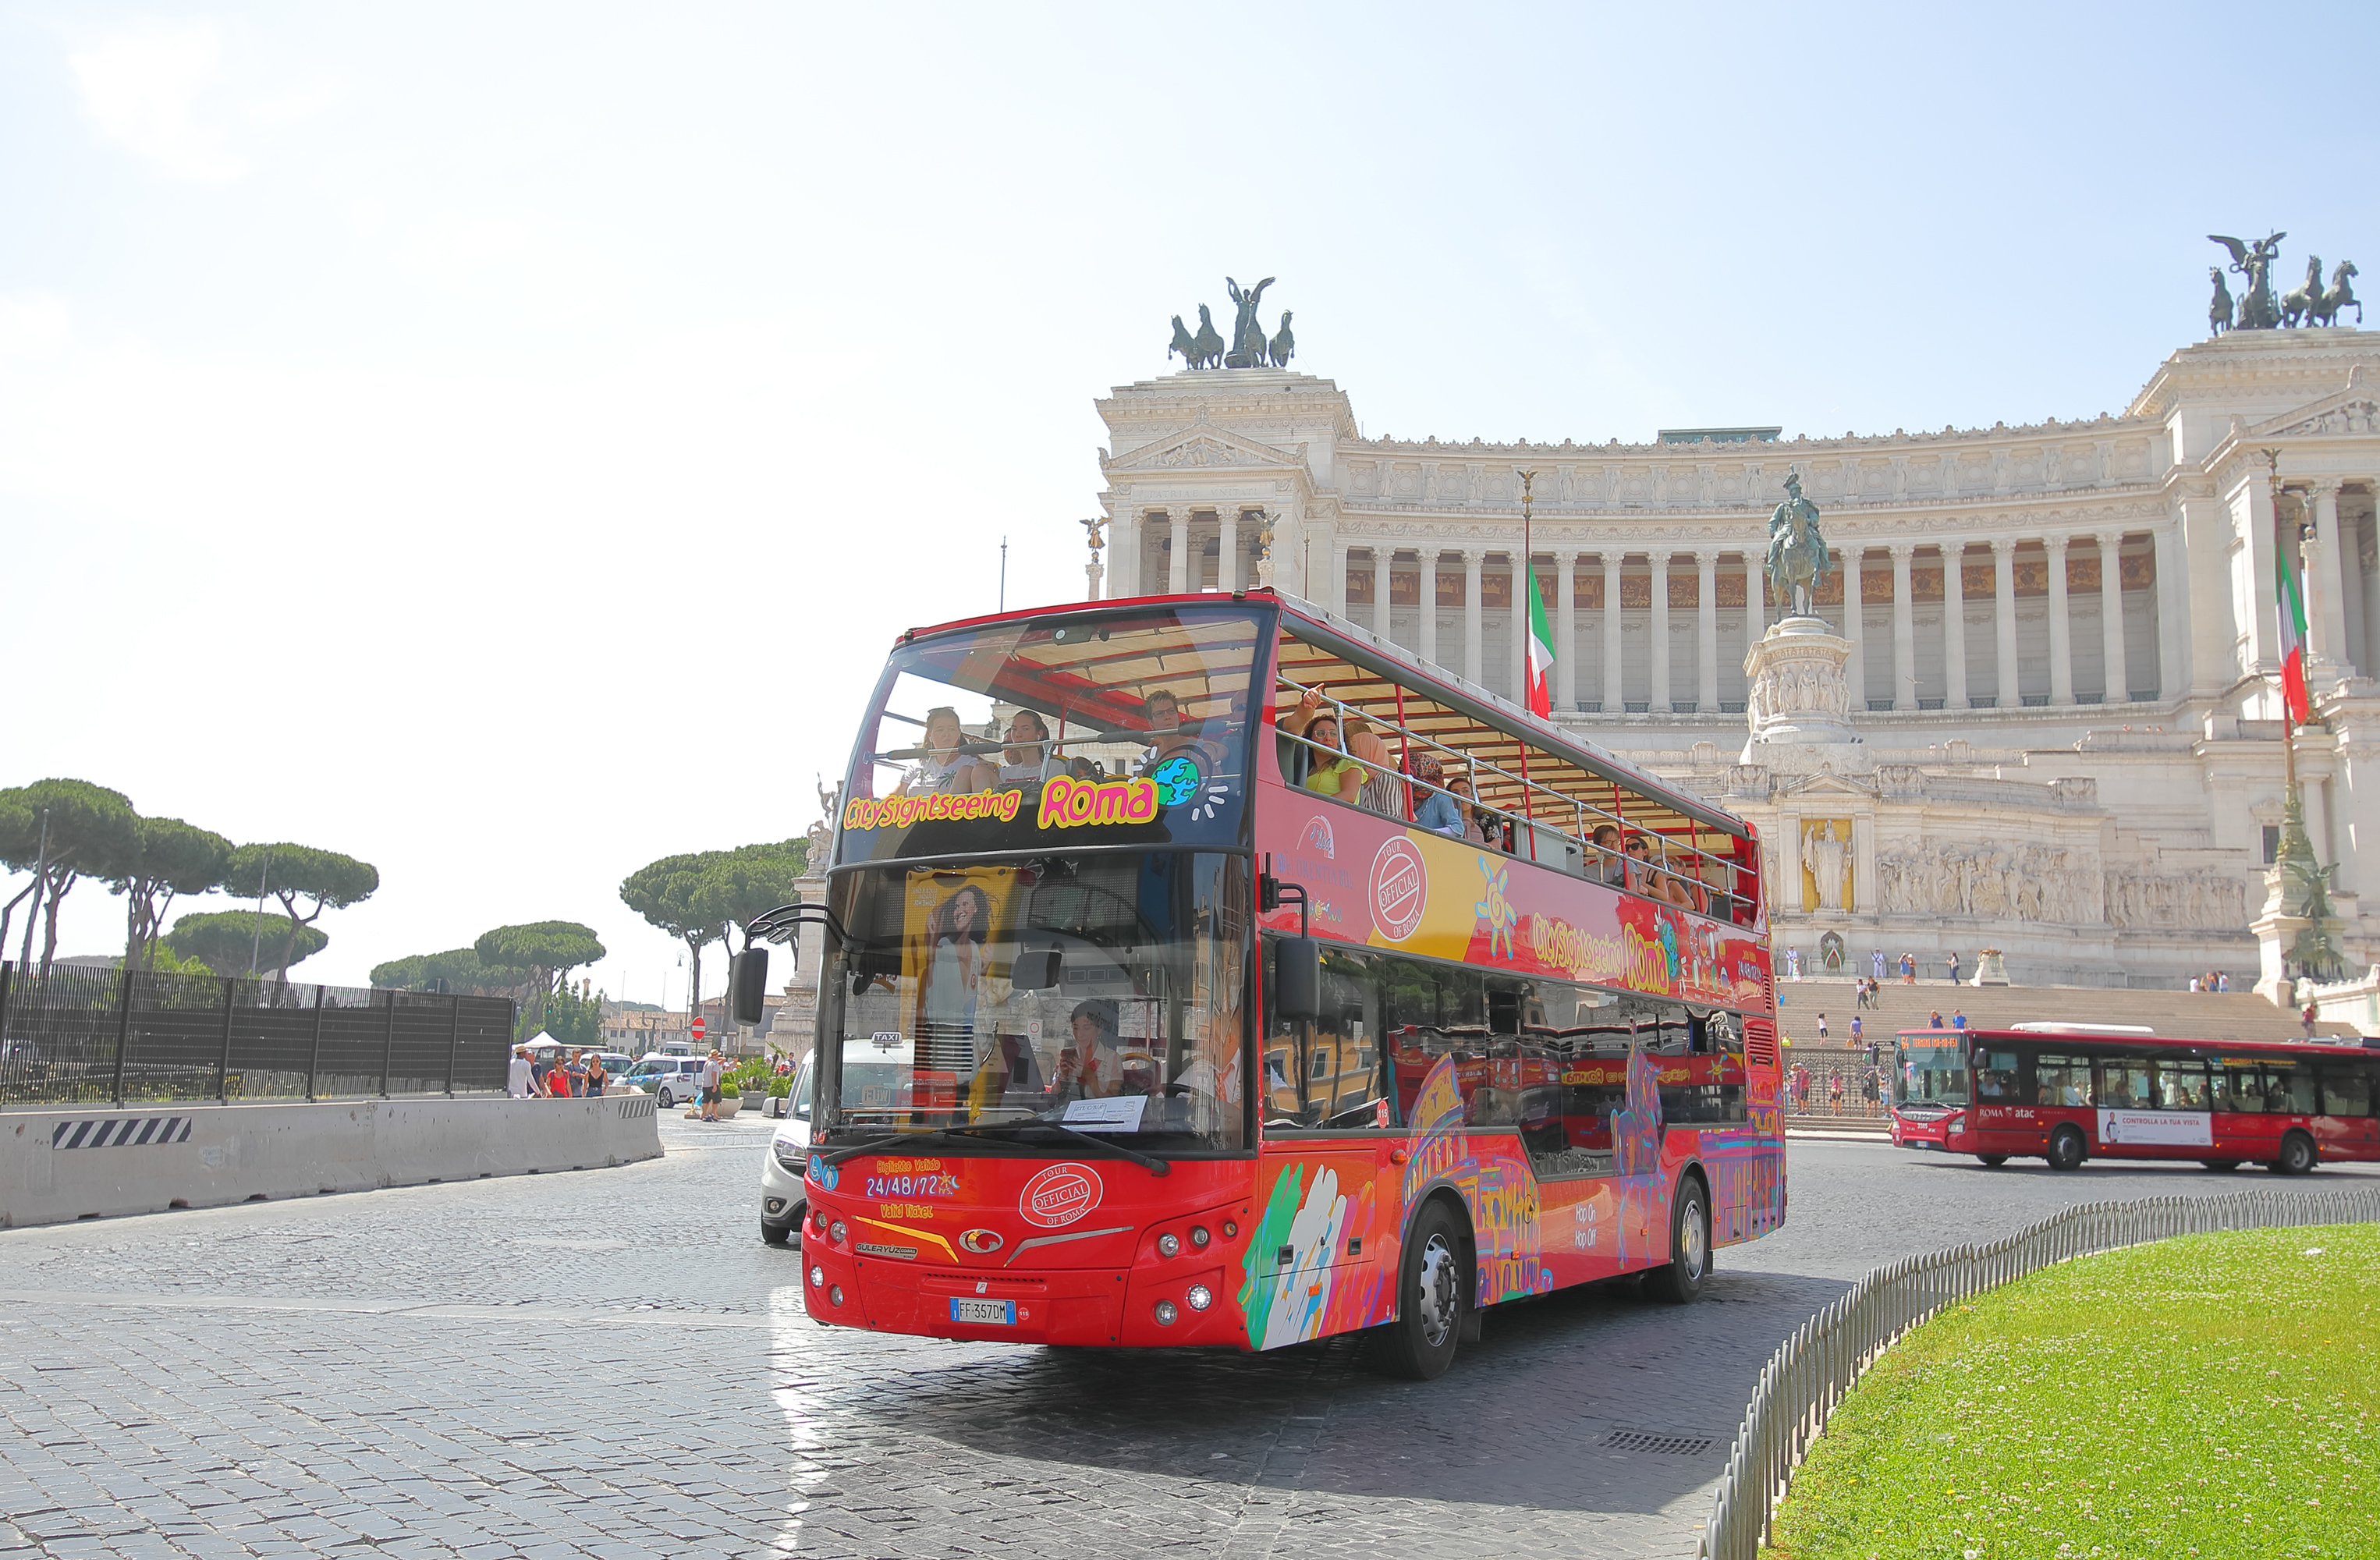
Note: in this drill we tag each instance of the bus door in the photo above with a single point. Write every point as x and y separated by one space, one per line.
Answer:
2003 1119
2062 1092
2346 1128
2257 1099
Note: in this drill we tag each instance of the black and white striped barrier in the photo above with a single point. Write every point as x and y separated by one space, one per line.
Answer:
62 1165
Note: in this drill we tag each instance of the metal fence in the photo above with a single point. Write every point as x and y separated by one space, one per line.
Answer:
79 1035
1810 1373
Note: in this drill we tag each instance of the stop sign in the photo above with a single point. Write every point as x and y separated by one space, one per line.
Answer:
698 1029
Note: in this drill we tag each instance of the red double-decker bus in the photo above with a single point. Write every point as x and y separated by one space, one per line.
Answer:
1207 971
2068 1093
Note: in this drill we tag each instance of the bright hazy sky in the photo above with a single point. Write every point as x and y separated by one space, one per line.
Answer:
500 442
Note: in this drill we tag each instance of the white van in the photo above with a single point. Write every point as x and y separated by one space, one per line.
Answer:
783 1203
671 1080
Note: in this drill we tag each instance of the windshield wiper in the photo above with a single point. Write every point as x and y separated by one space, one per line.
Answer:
895 1140
1149 1162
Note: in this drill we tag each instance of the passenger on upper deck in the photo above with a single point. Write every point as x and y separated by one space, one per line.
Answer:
1482 828
1168 738
944 766
1029 759
1381 792
1610 866
1435 810
1332 773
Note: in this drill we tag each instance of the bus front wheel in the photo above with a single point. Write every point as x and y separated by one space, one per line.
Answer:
2066 1149
2297 1155
1432 1289
1689 1266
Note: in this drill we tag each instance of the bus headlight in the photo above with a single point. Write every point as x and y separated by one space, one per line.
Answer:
1169 1245
835 1232
1166 1313
834 1296
818 1276
1198 1236
1200 1297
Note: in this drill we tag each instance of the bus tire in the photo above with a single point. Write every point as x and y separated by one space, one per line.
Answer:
1690 1247
1433 1293
1992 1160
2297 1155
2221 1166
2067 1149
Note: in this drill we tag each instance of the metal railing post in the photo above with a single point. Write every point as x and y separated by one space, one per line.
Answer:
388 1046
7 980
453 1042
223 1061
123 1036
314 1057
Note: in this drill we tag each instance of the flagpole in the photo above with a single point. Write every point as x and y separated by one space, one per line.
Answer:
2295 846
1528 629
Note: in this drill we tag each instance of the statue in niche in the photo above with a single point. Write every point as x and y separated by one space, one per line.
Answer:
1799 561
1830 860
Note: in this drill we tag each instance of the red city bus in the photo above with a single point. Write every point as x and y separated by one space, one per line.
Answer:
1174 995
2068 1093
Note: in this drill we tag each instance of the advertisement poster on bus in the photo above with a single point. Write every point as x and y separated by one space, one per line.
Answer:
2180 1128
1378 881
947 922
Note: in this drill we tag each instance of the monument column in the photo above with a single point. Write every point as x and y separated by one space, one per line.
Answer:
1177 557
1660 560
2326 610
1383 571
1854 629
2061 628
2004 622
1706 631
1339 553
1432 554
1905 629
1472 655
1227 549
1566 633
1612 691
2111 617
1863 866
1787 893
1954 624
2173 610
1755 596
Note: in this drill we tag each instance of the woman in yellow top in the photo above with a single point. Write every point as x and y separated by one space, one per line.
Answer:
1334 773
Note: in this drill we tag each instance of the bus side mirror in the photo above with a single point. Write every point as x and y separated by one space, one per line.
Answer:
748 980
1297 978
1037 968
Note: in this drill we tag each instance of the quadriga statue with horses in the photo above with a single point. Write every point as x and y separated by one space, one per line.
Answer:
1250 348
2311 304
1799 561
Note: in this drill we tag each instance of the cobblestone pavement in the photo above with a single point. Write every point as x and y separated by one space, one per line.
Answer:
610 1364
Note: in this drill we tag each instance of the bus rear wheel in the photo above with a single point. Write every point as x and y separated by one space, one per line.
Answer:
1994 1160
1432 1289
1689 1266
2297 1155
2066 1149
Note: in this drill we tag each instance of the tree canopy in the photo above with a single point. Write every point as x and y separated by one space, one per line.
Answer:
697 898
222 939
291 872
552 948
170 858
62 830
461 969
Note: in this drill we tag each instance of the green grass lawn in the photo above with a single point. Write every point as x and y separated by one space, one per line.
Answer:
2214 1394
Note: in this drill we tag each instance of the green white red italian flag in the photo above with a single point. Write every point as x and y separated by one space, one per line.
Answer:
1541 654
2292 612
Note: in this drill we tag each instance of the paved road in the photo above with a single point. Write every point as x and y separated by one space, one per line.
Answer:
611 1364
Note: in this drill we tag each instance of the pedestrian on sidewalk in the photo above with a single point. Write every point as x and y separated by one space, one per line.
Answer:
713 1069
2308 1016
1855 1034
1822 1029
577 1074
1959 1019
1935 1022
520 1077
2223 980
1835 1090
597 1079
1952 960
1877 958
1909 969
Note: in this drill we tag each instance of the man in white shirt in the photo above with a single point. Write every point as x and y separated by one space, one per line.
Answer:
520 1079
713 1069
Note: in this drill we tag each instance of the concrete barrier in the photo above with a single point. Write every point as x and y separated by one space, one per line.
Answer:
61 1165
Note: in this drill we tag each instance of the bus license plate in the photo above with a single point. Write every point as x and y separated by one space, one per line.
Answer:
986 1313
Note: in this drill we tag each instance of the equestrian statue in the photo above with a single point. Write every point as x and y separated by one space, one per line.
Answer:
2254 260
2219 312
1799 561
1250 348
2298 303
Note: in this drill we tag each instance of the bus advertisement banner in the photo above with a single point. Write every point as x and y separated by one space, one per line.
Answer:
2185 1128
1378 881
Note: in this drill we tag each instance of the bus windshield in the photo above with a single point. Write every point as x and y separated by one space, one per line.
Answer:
1102 993
1932 1071
1120 727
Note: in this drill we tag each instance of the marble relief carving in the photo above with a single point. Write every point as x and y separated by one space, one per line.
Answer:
2203 900
2027 883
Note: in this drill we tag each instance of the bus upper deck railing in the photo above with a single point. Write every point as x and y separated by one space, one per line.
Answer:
1527 830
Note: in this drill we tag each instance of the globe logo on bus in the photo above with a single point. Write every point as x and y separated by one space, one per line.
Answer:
1400 889
1060 1195
1177 780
